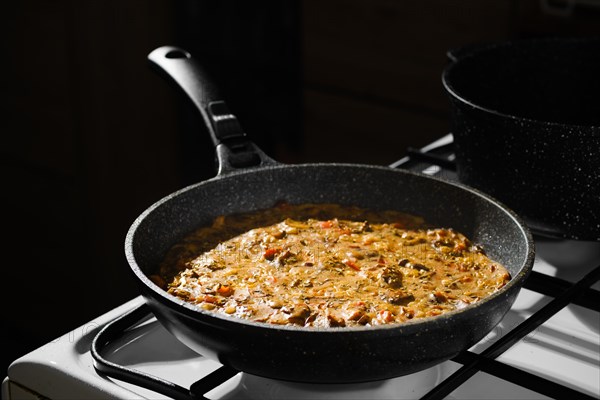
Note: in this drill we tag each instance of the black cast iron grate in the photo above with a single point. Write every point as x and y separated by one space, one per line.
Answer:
564 293
578 293
472 363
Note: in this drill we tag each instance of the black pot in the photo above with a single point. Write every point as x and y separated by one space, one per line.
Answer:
249 180
526 127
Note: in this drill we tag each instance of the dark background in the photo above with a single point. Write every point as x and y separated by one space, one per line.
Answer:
91 136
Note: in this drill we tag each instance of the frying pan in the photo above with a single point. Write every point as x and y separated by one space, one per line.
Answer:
526 127
247 179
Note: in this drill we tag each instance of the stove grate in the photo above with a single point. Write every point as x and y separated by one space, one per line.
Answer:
553 286
564 293
474 363
114 330
518 377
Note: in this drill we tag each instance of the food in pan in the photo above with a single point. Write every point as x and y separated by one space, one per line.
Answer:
327 265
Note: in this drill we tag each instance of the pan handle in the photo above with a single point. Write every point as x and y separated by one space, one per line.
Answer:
234 150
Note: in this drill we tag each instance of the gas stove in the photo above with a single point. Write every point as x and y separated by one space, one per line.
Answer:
547 346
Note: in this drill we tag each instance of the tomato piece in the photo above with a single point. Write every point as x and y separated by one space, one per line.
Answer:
326 224
225 290
351 264
210 299
460 246
269 254
385 316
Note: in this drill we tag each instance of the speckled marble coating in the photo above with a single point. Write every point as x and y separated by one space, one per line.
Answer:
335 354
526 126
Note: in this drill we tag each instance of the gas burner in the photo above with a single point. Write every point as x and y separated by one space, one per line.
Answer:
547 344
121 360
246 386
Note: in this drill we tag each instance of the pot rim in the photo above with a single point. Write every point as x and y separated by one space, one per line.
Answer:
472 52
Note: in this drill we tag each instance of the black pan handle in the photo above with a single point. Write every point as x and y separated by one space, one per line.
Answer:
234 150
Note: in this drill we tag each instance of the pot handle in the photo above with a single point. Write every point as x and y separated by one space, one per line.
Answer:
233 149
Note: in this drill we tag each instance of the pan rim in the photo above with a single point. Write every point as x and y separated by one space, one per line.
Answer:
190 310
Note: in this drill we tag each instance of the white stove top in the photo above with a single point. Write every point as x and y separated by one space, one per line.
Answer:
565 349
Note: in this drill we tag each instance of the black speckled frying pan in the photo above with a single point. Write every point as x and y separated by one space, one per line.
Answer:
249 180
526 126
